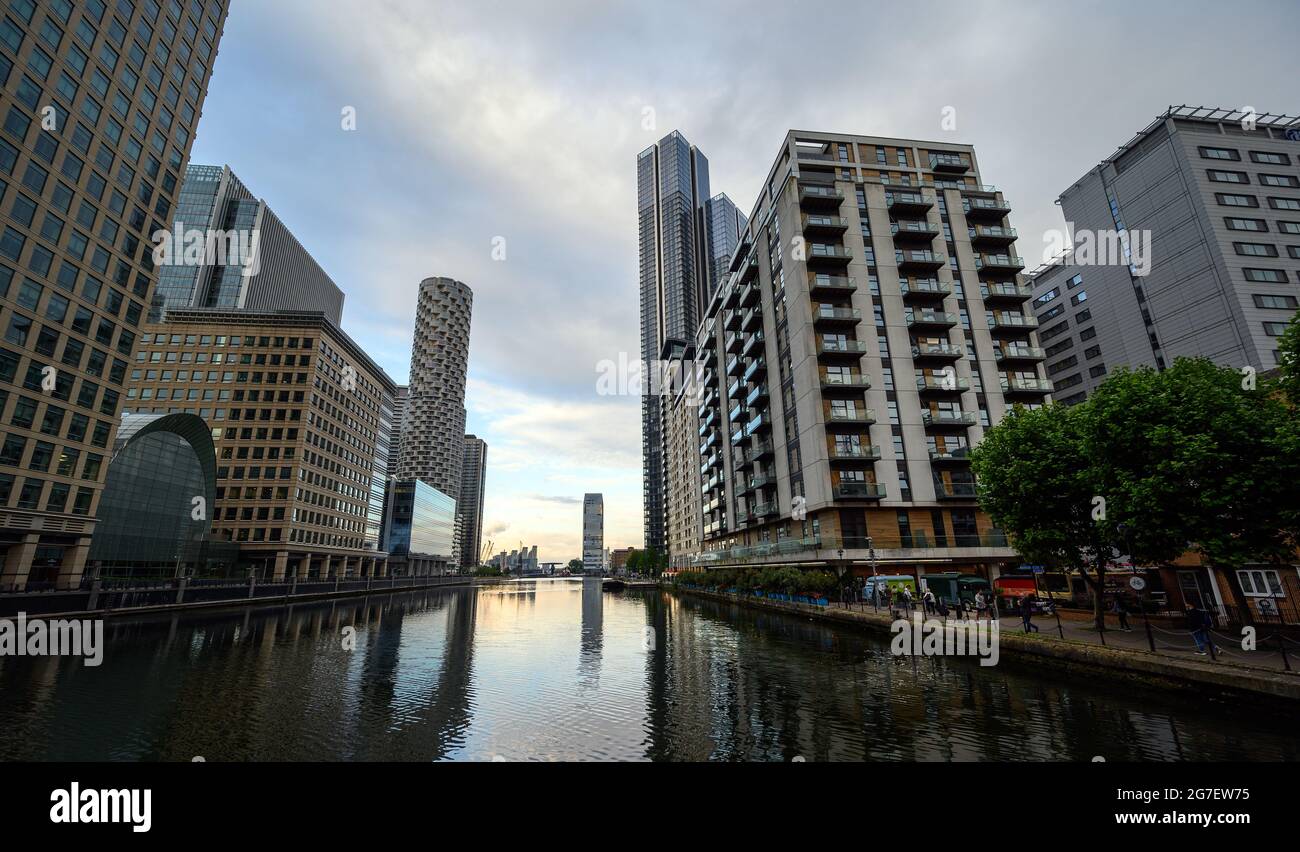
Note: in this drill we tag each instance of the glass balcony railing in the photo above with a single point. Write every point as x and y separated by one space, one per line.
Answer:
860 490
948 418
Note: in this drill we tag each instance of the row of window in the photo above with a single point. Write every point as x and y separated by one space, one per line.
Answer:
1271 158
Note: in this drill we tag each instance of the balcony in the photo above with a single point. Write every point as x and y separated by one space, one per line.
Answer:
763 479
753 343
904 231
1005 292
814 196
749 295
955 490
758 425
992 235
1003 263
709 422
942 385
737 436
708 356
742 518
937 352
859 491
828 253
830 350
730 297
831 285
742 252
757 395
985 208
854 456
855 419
954 164
751 319
757 368
733 389
709 443
1012 324
733 321
765 510
918 319
852 383
916 260
820 224
948 419
736 413
749 270
908 202
733 343
923 289
957 455
1010 354
830 316
1015 386
761 449
733 365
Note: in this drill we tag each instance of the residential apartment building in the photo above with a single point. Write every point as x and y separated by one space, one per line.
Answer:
433 426
682 448
299 417
395 442
685 238
593 533
1219 192
249 259
872 327
100 102
473 483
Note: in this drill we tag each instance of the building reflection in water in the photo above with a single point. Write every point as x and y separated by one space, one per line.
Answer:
560 670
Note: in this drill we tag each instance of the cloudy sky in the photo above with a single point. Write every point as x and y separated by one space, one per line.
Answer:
521 120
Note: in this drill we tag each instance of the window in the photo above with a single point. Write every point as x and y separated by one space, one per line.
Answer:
1221 176
1290 181
1266 276
1219 154
1274 329
1261 583
1255 249
1280 302
1239 224
1270 158
1284 203
1236 200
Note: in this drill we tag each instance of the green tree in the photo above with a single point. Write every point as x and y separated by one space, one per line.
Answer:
1153 463
634 562
1288 348
575 566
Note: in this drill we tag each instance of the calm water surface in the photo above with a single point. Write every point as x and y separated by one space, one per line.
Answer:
559 670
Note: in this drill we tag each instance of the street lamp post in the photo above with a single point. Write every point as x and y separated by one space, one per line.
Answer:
875 576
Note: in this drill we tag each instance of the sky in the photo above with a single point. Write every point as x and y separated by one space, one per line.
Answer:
496 142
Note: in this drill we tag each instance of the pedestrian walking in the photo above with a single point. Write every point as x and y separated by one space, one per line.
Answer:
1027 613
981 605
1117 607
928 600
1198 622
907 599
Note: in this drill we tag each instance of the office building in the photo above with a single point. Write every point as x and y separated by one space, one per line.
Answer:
296 410
473 481
593 533
124 84
418 530
433 427
159 491
229 251
871 328
1219 193
683 234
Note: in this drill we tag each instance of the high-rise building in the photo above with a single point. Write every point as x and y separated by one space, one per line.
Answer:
593 533
230 251
433 428
298 417
419 521
100 105
871 329
473 480
678 222
682 472
395 442
1218 191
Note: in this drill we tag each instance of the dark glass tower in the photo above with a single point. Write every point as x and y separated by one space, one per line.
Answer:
678 275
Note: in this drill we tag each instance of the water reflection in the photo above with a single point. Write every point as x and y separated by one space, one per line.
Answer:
555 670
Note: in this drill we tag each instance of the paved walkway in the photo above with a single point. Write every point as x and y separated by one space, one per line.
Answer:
1170 638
